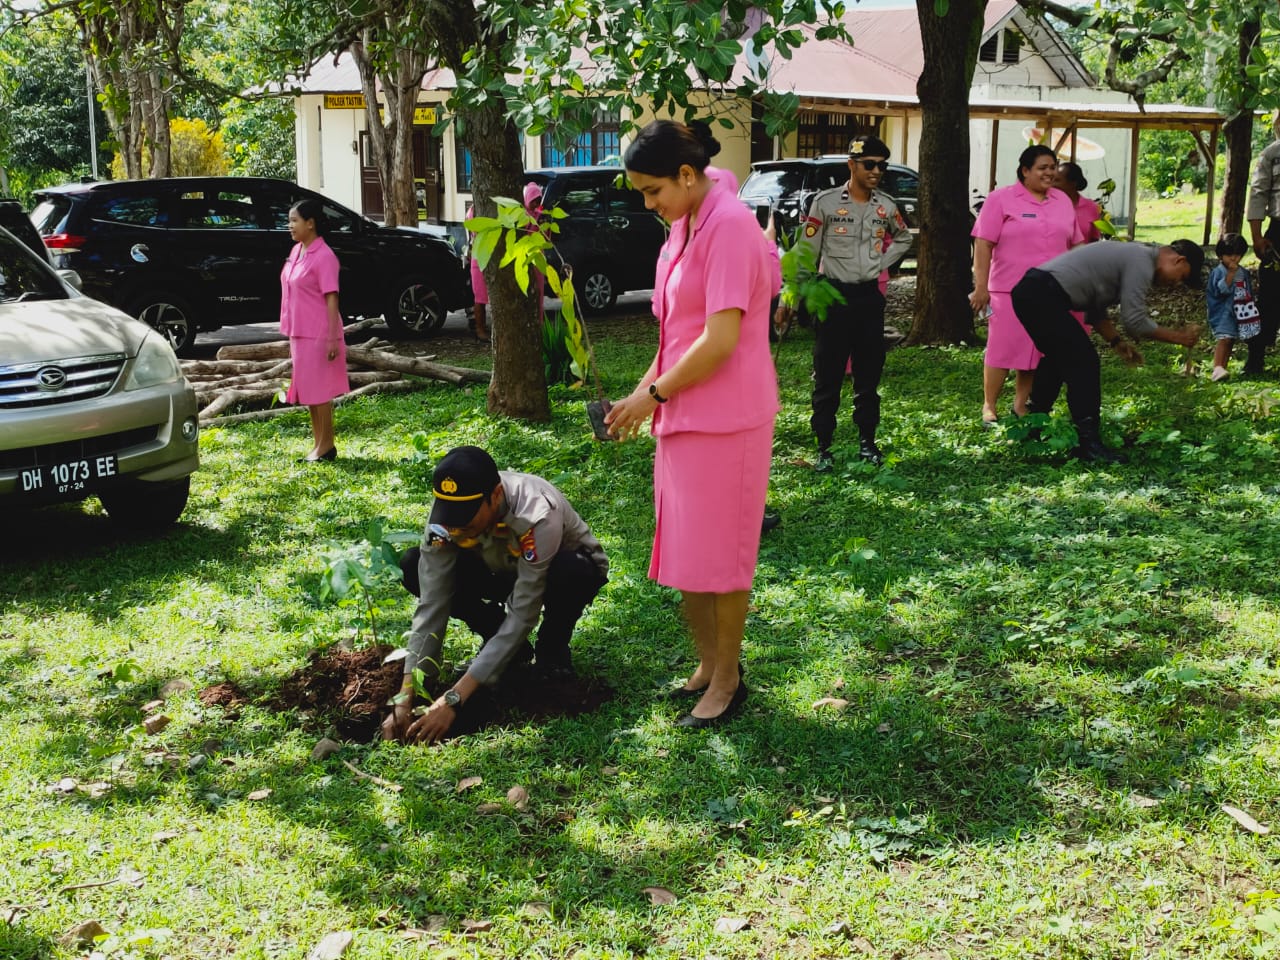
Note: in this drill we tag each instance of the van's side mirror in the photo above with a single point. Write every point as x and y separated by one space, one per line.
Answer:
72 278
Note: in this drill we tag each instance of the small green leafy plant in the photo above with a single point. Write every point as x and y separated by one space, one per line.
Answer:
356 573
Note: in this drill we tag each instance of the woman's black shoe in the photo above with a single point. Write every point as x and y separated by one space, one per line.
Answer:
690 722
684 693
330 455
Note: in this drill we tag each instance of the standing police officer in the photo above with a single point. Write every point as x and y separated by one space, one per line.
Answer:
1264 201
499 549
857 234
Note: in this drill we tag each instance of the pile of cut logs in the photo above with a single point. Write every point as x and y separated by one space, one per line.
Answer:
255 374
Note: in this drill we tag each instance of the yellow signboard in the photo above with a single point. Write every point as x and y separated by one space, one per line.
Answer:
344 101
425 116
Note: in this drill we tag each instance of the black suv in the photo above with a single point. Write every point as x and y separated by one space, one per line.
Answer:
608 237
195 253
789 186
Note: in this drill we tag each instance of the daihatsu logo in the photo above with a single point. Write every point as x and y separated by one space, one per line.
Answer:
51 378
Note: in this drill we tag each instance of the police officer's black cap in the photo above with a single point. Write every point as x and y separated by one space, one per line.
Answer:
868 146
461 481
1195 257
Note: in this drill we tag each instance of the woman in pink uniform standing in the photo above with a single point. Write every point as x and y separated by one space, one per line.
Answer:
1071 180
309 317
713 395
1019 227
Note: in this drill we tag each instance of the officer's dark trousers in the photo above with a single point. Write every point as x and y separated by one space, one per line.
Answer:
1069 358
853 331
479 597
1268 293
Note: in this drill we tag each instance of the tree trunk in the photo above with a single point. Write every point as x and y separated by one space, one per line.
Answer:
519 386
391 137
944 273
1238 132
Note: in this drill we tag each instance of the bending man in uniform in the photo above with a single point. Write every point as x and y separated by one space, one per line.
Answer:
500 548
1092 278
857 234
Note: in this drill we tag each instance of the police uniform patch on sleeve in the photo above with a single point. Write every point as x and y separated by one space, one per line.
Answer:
529 546
810 231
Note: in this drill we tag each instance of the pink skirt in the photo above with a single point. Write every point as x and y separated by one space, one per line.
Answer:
316 379
1008 345
478 287
708 493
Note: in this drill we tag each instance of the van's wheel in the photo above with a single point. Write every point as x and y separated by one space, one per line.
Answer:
415 308
596 290
171 315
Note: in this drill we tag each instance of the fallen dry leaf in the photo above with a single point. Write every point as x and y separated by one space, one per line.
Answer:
151 706
331 946
259 794
164 836
1246 821
883 728
1138 800
839 684
659 896
96 789
476 926
154 725
466 783
132 877
65 785
83 934
609 771
835 703
661 752
728 925
518 797
536 909
177 685
325 748
12 914
489 809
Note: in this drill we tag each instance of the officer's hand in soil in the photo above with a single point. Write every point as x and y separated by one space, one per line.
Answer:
396 725
432 725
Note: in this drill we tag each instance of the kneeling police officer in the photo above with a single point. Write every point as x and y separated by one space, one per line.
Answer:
499 549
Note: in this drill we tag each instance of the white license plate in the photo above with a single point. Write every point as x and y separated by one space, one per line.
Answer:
70 476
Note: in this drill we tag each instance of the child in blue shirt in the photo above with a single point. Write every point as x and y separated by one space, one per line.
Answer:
1233 314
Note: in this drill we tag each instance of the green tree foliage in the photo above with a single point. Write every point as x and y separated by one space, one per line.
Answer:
44 104
260 138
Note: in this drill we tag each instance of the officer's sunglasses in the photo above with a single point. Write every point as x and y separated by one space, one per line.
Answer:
869 165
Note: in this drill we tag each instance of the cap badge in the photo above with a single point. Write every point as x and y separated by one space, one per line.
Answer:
855 148
449 485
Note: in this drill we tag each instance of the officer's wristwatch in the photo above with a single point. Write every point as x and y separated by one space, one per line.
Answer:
451 698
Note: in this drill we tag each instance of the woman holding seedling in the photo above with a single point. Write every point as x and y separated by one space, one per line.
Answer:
712 394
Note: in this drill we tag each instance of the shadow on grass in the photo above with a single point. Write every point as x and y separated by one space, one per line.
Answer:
16 943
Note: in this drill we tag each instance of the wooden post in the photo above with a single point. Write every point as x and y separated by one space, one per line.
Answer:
1133 180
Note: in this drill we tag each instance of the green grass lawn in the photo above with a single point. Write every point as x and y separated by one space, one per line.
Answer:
1049 680
1162 219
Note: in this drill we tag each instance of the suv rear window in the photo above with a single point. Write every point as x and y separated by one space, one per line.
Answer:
49 214
773 183
139 211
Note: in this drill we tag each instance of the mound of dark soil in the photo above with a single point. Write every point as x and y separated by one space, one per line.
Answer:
346 688
350 691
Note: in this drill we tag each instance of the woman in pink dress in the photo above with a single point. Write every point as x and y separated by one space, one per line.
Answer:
309 317
480 294
713 395
1070 180
1019 227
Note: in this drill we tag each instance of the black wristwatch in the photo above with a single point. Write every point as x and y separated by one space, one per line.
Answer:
1113 341
451 698
653 392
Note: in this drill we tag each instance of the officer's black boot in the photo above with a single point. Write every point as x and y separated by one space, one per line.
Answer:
867 449
826 463
1091 449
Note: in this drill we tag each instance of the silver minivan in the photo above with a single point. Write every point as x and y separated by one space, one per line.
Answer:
92 402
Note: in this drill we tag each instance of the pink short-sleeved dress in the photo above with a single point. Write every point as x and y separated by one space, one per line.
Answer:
715 438
309 274
1025 232
1087 211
